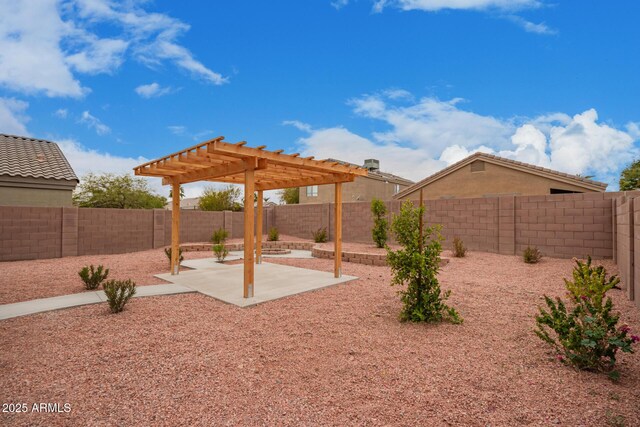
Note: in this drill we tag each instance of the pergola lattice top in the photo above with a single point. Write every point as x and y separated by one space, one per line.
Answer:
219 161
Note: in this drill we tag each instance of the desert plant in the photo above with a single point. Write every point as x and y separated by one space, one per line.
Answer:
320 235
459 250
274 235
585 334
93 277
415 266
219 236
532 255
220 251
167 252
380 224
118 292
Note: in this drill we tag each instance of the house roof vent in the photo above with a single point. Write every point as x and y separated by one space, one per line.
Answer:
372 164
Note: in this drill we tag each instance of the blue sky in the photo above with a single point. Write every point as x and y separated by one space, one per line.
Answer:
418 84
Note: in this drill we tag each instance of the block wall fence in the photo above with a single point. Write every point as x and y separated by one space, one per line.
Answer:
603 225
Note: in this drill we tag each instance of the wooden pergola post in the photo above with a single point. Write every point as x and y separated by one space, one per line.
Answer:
259 229
249 189
175 227
337 249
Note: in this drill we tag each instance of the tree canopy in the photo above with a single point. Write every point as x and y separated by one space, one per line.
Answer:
227 199
630 177
116 191
291 196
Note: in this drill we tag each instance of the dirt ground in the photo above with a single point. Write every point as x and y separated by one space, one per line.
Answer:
338 356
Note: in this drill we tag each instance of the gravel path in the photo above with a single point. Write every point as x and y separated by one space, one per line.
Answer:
338 356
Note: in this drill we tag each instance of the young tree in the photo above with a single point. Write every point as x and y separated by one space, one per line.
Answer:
380 224
181 193
630 177
291 196
415 266
116 191
226 199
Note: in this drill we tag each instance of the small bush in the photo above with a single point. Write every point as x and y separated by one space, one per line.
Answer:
167 252
220 251
93 277
416 266
585 335
219 236
459 250
380 224
274 235
118 293
320 235
532 255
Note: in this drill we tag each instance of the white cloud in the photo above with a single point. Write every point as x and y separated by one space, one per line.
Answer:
152 90
177 130
532 27
305 127
339 4
12 116
44 44
61 113
94 123
419 139
436 5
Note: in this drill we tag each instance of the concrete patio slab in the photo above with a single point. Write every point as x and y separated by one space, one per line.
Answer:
272 281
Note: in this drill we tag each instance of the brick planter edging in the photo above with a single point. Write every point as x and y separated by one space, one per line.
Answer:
316 251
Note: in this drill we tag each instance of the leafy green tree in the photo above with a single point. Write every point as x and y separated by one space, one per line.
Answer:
380 224
181 193
227 199
630 177
116 191
415 267
291 196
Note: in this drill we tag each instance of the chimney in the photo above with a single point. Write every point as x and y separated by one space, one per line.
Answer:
372 164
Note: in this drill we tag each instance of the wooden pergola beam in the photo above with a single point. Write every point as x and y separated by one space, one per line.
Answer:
249 188
303 182
218 171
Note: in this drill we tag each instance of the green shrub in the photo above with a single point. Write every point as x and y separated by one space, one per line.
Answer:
532 255
220 251
380 224
459 250
585 334
219 236
274 235
167 252
118 293
93 277
320 235
415 266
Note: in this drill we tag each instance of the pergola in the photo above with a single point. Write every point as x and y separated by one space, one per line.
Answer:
259 170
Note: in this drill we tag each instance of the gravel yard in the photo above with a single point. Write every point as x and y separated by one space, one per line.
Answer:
338 356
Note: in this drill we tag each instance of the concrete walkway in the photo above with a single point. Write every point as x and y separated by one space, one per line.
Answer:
7 311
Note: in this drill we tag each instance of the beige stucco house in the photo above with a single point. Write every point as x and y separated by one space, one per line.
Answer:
34 172
377 184
486 175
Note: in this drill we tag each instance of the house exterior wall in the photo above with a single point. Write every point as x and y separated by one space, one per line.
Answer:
362 189
495 180
17 196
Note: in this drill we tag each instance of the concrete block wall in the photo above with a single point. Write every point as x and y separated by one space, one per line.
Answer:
30 233
636 251
625 243
110 231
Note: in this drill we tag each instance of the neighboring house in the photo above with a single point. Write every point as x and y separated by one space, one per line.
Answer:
190 203
485 175
377 184
34 172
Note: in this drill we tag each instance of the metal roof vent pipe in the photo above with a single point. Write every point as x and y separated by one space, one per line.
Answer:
372 164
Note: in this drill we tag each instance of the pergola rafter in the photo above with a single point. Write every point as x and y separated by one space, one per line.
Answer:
259 170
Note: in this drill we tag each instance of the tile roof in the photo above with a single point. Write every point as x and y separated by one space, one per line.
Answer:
378 174
33 158
537 170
